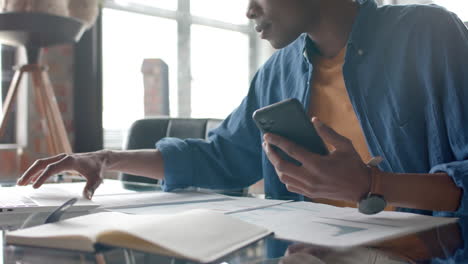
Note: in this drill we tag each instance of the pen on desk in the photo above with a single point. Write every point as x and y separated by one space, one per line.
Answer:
53 217
57 213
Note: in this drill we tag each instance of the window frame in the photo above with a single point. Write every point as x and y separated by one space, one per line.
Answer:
185 20
87 92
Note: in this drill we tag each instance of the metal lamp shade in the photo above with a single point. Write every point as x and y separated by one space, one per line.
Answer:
38 30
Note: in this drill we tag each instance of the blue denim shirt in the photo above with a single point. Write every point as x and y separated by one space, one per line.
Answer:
406 72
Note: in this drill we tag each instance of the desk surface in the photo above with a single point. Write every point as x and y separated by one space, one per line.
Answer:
441 245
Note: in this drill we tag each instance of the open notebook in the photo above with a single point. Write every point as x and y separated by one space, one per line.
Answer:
198 235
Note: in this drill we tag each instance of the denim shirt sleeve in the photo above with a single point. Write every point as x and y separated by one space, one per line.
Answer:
229 159
451 45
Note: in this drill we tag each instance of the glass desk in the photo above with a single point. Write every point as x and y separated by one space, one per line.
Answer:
440 245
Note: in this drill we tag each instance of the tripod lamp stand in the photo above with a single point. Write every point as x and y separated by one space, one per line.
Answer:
35 31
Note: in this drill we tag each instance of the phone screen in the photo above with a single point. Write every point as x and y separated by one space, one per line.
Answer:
288 119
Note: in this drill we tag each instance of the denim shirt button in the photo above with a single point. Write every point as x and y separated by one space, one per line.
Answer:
360 52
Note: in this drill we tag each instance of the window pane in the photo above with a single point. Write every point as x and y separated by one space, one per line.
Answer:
220 71
165 4
459 7
232 11
128 39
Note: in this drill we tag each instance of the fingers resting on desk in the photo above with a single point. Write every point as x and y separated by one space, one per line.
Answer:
89 165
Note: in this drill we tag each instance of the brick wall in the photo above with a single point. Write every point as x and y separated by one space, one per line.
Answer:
60 62
156 85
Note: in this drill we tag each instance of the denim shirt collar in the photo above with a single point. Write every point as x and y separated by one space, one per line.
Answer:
357 37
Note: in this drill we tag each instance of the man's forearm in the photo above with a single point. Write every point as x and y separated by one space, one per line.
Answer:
148 163
435 192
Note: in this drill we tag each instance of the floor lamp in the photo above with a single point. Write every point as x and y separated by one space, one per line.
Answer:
35 31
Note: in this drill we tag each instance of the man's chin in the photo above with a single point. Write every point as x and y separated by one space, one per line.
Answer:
279 44
276 44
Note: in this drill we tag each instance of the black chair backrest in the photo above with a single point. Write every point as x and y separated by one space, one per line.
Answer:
144 134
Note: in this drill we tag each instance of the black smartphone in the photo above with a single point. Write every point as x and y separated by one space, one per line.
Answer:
288 119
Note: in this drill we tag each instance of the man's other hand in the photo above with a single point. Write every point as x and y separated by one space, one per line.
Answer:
89 165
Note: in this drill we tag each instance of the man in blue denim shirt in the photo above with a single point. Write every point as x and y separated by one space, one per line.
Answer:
406 78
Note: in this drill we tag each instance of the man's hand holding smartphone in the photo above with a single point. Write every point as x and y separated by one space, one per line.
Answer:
339 175
288 119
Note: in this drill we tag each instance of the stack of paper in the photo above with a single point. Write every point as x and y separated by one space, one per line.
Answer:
330 226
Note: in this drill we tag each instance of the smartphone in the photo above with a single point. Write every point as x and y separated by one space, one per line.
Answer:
288 119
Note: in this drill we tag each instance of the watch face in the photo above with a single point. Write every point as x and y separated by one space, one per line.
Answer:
372 204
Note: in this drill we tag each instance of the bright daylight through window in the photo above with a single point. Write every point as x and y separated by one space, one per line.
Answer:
164 4
122 60
459 7
220 62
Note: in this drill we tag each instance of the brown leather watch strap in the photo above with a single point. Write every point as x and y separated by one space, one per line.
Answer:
375 181
375 175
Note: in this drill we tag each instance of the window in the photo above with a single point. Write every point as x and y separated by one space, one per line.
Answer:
124 49
220 78
223 10
164 4
209 46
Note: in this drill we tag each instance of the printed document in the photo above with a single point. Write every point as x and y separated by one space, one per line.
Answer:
226 205
324 225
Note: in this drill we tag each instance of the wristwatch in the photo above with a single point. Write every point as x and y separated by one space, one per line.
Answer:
373 202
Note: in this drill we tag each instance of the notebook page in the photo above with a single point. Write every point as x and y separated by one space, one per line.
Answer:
200 235
76 233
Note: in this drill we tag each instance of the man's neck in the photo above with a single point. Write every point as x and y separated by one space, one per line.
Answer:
336 23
